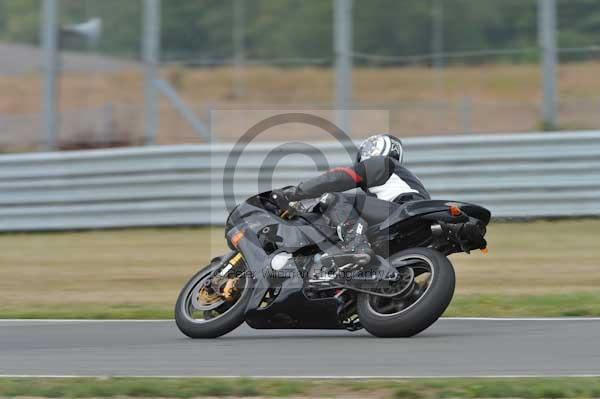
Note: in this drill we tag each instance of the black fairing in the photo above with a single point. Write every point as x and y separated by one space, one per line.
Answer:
290 308
422 209
289 235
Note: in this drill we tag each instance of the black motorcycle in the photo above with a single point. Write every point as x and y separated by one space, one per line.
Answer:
273 277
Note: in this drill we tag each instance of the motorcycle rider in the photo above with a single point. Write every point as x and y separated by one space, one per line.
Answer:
385 183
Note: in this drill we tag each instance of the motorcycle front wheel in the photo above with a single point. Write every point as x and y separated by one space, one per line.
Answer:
420 305
199 314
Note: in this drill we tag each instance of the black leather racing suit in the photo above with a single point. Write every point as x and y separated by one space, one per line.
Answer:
385 184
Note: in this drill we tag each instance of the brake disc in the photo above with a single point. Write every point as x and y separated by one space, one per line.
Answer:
203 298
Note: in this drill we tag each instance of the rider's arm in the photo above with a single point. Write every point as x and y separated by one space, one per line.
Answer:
372 172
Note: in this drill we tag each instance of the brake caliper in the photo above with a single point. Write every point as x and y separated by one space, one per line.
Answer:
230 289
222 286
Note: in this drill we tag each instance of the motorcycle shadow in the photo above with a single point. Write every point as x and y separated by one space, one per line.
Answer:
308 335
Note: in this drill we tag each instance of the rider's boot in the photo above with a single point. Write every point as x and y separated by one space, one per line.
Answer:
354 250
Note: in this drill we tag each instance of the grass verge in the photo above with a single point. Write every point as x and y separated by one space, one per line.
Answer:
551 305
530 388
548 305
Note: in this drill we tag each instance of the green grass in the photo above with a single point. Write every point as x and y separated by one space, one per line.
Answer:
529 388
549 305
91 311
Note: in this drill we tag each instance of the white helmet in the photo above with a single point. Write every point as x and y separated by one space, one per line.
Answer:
381 145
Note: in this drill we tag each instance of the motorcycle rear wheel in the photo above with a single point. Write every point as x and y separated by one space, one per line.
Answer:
409 314
231 315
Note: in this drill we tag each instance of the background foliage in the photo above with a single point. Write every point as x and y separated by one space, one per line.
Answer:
275 29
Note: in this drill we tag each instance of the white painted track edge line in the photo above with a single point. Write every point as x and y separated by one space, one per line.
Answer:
561 318
307 377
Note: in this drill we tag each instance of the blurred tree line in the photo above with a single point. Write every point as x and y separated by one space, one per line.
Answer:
201 30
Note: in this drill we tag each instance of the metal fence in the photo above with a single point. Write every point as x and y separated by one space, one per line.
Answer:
521 176
412 59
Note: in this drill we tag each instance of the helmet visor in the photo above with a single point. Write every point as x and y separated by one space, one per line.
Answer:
373 147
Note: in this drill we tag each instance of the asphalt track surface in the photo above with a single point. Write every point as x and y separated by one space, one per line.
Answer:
452 347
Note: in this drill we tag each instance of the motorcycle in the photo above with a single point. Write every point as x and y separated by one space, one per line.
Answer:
273 277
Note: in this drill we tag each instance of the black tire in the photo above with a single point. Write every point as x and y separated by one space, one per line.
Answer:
222 325
422 313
